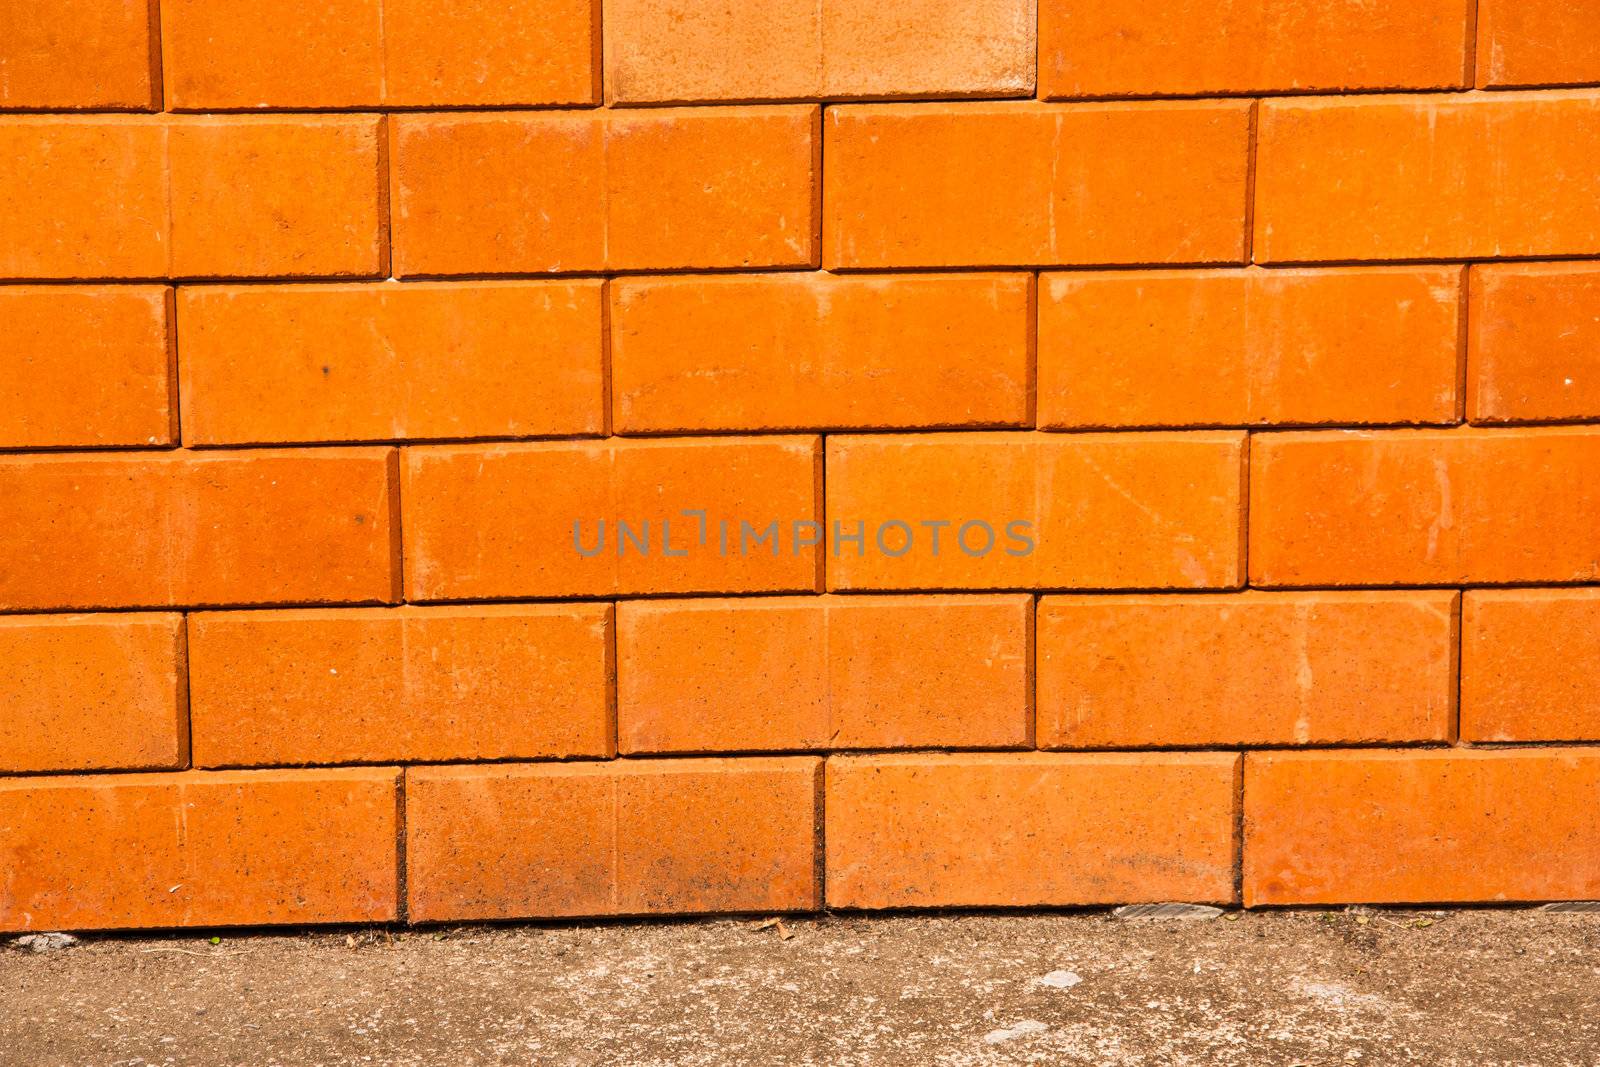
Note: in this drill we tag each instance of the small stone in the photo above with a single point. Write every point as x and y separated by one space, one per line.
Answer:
1166 911
1059 980
1022 1029
44 942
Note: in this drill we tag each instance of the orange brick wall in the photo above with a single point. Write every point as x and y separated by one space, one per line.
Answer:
1256 346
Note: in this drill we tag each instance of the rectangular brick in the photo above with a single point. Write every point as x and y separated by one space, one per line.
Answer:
87 367
355 362
1194 48
300 196
192 529
618 838
781 351
793 673
83 197
1249 347
1534 342
92 692
1428 177
1528 665
228 848
462 53
1033 184
1538 42
1418 827
1250 668
1107 511
486 522
375 685
91 54
1425 507
681 51
1030 829
603 191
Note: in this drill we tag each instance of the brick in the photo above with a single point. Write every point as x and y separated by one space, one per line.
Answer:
600 191
485 522
375 685
1416 826
1527 665
793 673
90 692
780 351
1191 48
490 52
83 197
1537 42
1249 347
230 848
1428 177
353 362
1250 668
87 367
1032 184
1424 507
1534 343
92 54
272 54
191 529
618 838
1029 829
696 50
291 197
1107 511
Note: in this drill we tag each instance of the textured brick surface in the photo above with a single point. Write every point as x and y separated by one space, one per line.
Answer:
92 692
373 685
231 848
1246 669
622 838
1538 42
1029 829
1527 665
1534 346
785 673
823 351
91 54
1421 827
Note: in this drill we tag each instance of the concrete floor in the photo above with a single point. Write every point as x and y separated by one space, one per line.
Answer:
1471 987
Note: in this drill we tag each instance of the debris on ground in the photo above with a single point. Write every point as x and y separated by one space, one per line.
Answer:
1022 1029
1166 911
1059 980
44 942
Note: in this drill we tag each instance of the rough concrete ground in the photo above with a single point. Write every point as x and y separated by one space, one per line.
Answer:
1463 987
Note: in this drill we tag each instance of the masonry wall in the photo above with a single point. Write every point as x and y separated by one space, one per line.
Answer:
1263 339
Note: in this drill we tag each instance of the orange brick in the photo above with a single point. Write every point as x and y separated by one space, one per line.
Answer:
1415 827
1247 668
87 367
1425 507
1029 829
788 673
1534 345
1249 347
1538 42
272 54
263 195
94 54
353 362
485 522
230 848
84 692
692 50
781 351
1428 177
451 53
552 193
618 838
1107 511
182 528
370 685
1527 665
1193 48
83 197
1030 184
